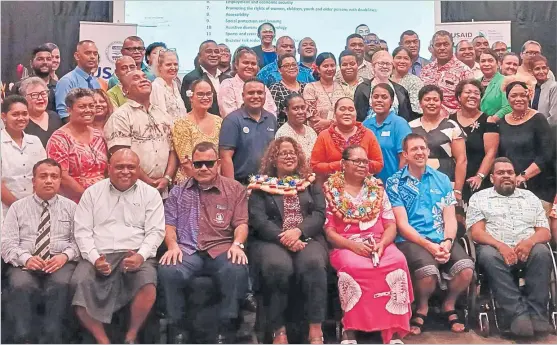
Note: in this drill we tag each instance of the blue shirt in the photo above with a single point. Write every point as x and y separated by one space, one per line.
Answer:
389 134
77 78
424 200
270 74
113 81
181 210
249 140
418 65
269 57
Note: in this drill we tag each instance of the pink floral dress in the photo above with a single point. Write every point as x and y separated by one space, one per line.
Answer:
372 298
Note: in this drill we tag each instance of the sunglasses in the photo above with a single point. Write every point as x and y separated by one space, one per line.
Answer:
207 164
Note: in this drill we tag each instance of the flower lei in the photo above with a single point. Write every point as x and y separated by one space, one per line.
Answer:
355 139
289 185
344 208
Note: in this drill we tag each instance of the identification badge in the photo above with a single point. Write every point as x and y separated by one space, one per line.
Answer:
386 134
221 207
246 130
219 218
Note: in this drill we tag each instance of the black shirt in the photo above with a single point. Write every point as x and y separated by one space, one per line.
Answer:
54 122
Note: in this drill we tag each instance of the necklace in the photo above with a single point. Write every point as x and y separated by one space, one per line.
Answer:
347 210
518 117
288 185
328 94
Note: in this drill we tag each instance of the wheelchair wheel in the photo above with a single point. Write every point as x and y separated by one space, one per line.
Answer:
553 293
483 322
338 331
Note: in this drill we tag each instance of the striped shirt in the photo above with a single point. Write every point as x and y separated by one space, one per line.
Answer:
21 226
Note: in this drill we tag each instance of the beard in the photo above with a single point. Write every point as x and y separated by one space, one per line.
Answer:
505 190
40 73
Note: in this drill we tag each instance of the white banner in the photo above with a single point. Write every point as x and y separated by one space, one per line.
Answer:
109 38
493 31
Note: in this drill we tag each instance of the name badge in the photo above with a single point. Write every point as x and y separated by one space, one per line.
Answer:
386 133
246 130
221 207
269 129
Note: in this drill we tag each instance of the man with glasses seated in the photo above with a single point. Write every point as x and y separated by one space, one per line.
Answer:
206 228
135 48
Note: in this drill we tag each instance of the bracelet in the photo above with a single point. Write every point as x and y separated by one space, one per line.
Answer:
168 178
457 191
448 239
480 175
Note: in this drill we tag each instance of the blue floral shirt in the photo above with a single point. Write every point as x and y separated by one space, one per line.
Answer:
270 74
424 200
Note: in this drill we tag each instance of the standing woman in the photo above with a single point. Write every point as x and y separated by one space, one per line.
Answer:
482 136
20 152
244 66
494 102
349 79
527 141
445 138
78 147
288 68
42 122
319 94
326 156
382 64
413 84
197 126
266 51
55 59
103 109
389 129
545 95
165 93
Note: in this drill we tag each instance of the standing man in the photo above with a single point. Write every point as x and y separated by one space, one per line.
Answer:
124 65
362 30
465 52
246 133
384 46
119 224
208 67
86 57
480 45
133 47
355 44
424 207
308 52
507 243
224 61
500 48
529 50
446 71
270 74
206 229
410 40
145 128
39 247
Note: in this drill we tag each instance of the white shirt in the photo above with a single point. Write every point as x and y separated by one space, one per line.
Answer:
477 71
214 79
168 98
17 164
109 221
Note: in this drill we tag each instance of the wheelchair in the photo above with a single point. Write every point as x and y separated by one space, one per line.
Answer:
484 309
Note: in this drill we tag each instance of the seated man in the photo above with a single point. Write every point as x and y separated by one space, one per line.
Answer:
119 224
423 203
511 229
39 248
206 228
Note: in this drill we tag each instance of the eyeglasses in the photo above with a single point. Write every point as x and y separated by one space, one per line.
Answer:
36 95
284 154
290 66
383 64
202 95
530 53
207 164
359 162
135 49
372 42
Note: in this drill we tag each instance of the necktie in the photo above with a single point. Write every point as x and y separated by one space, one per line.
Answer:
42 244
89 83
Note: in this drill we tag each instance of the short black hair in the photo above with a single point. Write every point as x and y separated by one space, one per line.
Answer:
152 47
46 161
361 25
205 42
513 84
430 88
413 136
196 82
386 87
134 38
407 33
460 87
40 49
266 23
344 53
492 53
290 97
511 54
351 36
77 93
11 100
443 33
204 146
346 152
283 57
500 160
252 80
382 41
399 49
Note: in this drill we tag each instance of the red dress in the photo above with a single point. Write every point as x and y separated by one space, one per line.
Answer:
372 298
85 163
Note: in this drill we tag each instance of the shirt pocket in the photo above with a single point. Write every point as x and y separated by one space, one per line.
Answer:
134 216
219 219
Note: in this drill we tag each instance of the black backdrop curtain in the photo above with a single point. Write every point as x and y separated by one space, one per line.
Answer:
530 20
27 24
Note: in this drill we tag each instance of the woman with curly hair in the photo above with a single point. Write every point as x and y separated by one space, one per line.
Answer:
374 284
286 217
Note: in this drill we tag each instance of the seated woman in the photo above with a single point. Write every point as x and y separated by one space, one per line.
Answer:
374 283
77 147
286 215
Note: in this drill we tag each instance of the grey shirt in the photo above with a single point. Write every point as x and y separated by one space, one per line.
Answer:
547 104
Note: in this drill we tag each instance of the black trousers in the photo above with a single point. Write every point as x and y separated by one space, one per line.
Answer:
28 289
277 266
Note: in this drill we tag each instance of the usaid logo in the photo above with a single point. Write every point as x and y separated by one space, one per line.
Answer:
462 35
113 51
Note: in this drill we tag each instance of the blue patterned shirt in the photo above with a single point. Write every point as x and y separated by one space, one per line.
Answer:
182 211
424 200
270 74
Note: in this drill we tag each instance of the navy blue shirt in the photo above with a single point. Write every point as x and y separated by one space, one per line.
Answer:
249 140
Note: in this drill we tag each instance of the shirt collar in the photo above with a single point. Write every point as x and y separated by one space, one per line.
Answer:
219 72
406 172
40 201
387 121
6 138
82 73
217 184
135 104
245 115
117 191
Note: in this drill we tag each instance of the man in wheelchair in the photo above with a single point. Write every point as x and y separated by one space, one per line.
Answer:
511 230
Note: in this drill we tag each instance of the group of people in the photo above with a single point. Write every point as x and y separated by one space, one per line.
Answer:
374 164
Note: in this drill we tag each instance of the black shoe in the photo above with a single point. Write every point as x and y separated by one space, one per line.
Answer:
250 303
522 326
541 326
225 339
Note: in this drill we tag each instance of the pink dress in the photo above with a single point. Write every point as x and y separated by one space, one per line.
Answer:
372 298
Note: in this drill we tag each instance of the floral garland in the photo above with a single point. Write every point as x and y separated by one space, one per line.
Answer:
344 208
289 185
342 143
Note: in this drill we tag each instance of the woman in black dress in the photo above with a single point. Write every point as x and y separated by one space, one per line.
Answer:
482 136
527 141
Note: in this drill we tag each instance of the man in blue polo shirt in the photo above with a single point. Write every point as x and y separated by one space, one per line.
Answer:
246 133
270 74
423 203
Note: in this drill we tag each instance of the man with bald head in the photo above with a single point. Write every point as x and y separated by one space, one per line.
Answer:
208 58
124 65
119 225
133 47
308 52
145 128
270 74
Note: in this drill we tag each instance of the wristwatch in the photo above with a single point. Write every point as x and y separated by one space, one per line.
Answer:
241 245
448 239
480 175
168 178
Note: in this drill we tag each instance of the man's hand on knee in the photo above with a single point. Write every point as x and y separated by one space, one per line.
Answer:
508 254
523 249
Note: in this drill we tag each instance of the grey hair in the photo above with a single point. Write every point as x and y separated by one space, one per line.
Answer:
31 81
530 42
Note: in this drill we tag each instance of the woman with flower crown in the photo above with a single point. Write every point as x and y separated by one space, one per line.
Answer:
286 217
373 280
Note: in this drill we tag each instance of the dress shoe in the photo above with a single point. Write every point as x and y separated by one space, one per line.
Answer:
225 339
250 303
522 326
541 326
